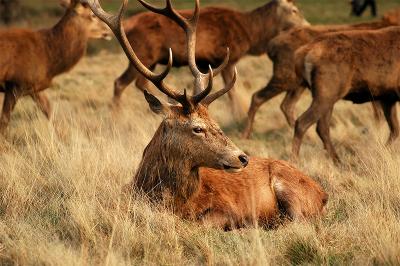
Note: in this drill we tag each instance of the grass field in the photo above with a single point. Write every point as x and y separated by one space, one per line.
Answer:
60 181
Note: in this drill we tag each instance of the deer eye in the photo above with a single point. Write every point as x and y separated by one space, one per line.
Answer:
198 130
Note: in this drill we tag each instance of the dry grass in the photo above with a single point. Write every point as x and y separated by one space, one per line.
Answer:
61 201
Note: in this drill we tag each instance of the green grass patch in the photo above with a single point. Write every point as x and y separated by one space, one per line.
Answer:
302 251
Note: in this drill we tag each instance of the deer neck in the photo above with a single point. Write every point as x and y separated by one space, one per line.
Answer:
66 43
262 28
162 170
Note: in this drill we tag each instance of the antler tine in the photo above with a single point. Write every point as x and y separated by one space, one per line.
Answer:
223 64
99 11
202 94
115 24
190 27
212 97
168 11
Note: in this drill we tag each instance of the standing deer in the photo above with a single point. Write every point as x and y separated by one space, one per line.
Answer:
189 155
358 66
244 33
29 60
281 51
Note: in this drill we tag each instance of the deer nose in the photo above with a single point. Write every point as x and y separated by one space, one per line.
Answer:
244 159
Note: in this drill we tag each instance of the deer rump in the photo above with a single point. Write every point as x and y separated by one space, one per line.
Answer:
365 60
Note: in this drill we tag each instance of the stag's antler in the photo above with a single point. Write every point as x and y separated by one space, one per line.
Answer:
189 26
212 97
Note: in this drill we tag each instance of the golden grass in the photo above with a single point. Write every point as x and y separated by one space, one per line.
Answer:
61 200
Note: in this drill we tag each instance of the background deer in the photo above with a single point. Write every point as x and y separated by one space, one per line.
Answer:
359 66
188 143
281 51
29 60
244 33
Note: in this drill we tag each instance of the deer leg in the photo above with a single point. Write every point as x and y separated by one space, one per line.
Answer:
218 219
257 100
122 82
10 99
323 131
43 103
306 120
236 103
390 112
289 103
377 110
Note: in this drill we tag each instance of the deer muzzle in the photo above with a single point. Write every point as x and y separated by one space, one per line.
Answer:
235 163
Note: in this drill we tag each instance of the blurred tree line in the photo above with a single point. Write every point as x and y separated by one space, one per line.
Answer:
9 10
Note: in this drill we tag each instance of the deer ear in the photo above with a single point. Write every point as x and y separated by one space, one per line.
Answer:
80 9
155 105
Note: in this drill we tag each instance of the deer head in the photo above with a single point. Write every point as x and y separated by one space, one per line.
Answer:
96 28
289 15
186 130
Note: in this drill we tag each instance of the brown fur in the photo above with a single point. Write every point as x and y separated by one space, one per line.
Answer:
31 59
151 35
174 162
360 66
260 194
281 51
392 16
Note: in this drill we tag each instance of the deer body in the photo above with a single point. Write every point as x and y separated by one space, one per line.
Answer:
175 162
48 52
31 59
189 154
243 33
261 193
152 35
360 66
211 48
281 51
